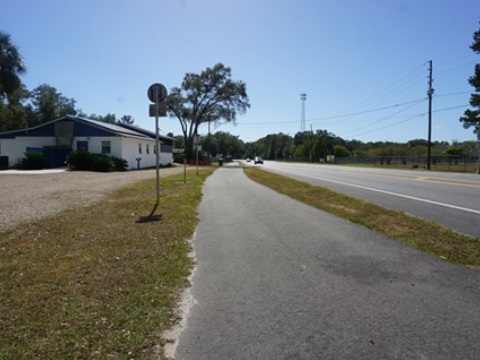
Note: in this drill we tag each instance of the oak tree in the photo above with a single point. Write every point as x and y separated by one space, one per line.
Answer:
209 97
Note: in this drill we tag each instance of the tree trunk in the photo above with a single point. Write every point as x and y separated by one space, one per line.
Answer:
189 148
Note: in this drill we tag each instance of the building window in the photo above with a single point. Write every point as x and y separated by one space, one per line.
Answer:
139 148
82 145
106 148
147 149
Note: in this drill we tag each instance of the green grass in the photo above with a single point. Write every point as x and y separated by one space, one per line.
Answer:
92 282
424 235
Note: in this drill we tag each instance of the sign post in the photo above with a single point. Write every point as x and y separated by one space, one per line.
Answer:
157 93
196 137
478 146
478 142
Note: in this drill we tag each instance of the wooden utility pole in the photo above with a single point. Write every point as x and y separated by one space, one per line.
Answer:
430 93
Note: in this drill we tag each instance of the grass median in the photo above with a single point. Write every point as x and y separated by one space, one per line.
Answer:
93 282
422 234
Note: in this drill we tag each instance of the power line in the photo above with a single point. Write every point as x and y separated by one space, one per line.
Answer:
413 75
391 125
445 121
345 115
451 94
335 116
454 63
387 117
366 111
456 67
374 98
401 89
451 108
411 118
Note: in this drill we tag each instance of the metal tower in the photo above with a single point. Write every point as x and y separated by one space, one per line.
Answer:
303 97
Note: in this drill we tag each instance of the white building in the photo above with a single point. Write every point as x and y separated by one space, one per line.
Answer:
57 138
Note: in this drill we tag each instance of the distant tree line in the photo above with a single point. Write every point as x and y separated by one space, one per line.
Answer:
20 107
315 146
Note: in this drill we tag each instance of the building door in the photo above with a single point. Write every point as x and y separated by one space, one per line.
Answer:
55 156
82 145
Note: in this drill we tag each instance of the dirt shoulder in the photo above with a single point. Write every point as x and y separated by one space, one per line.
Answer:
32 195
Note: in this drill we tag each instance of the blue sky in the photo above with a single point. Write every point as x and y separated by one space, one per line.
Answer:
352 58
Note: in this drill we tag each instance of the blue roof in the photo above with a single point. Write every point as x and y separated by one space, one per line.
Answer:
118 129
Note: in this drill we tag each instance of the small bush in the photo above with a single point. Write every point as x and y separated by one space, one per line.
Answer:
119 164
102 163
80 160
178 158
33 161
87 161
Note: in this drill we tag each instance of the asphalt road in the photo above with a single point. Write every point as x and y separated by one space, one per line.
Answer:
276 279
450 199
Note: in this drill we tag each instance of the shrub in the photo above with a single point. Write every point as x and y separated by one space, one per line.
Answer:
80 160
178 158
102 163
119 164
33 161
87 161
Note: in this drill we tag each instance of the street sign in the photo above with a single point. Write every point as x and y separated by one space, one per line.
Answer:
157 93
162 110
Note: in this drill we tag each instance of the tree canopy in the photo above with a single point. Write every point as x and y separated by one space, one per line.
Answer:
11 66
222 143
49 104
209 97
472 117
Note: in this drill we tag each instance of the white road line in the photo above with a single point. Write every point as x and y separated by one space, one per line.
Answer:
473 211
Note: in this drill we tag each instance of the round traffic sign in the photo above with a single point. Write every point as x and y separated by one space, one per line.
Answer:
157 92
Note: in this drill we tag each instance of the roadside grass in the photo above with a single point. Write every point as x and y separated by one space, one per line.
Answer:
92 282
422 234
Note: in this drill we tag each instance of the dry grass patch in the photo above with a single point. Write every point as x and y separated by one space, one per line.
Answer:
422 234
92 282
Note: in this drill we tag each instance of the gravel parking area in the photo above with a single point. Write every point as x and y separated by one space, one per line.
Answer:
30 195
